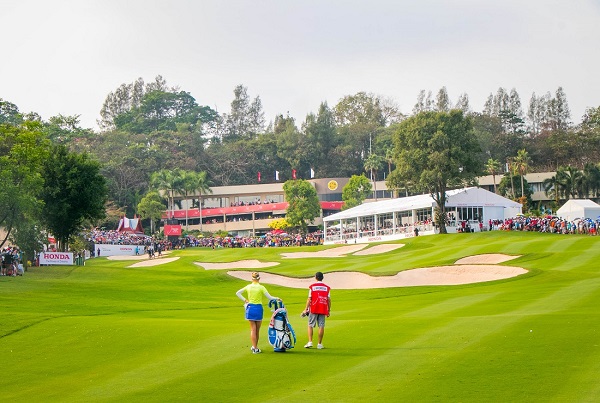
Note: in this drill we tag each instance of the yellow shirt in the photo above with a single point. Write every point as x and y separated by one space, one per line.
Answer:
255 291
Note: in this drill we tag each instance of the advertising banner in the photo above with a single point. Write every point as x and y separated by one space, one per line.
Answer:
172 230
118 250
57 258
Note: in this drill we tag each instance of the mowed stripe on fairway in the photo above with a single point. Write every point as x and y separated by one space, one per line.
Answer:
397 365
174 332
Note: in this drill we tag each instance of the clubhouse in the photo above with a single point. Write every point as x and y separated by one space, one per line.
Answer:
247 210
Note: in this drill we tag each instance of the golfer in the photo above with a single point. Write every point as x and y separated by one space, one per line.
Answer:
318 306
254 309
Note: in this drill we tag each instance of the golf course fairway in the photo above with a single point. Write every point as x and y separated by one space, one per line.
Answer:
111 332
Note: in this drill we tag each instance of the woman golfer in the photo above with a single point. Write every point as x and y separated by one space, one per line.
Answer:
254 308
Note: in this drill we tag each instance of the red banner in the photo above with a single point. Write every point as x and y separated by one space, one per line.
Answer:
258 208
172 230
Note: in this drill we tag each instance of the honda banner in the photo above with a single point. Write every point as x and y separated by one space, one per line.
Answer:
59 258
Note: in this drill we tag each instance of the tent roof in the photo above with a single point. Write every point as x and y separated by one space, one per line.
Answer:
130 225
472 196
582 203
579 208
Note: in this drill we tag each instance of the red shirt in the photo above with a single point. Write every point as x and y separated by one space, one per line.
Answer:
319 298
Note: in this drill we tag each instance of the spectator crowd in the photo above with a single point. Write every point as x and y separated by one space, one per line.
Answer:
550 224
11 262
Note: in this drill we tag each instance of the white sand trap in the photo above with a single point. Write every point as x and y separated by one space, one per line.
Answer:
134 257
332 252
489 258
154 262
444 275
240 264
141 256
383 248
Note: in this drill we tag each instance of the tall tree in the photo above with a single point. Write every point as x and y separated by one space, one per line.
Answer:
488 107
522 162
246 118
151 207
356 191
169 181
493 167
187 186
551 188
321 138
9 113
360 108
559 114
23 149
434 150
424 103
591 180
537 113
463 103
373 164
303 203
122 100
74 192
202 186
501 102
569 181
442 101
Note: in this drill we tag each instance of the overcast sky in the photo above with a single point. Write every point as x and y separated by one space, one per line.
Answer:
64 57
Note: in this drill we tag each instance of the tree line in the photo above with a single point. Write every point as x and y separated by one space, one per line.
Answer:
149 128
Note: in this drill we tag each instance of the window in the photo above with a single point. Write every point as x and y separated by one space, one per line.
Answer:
214 202
273 199
470 213
423 214
330 197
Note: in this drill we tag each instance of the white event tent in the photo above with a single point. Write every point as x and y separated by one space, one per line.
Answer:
398 218
579 208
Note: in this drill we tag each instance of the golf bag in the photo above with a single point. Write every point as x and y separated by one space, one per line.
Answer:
281 333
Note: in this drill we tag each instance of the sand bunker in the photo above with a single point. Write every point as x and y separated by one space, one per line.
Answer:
333 252
135 257
154 262
443 275
240 264
383 248
489 258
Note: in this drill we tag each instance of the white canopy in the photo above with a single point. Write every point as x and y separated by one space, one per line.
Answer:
472 196
579 208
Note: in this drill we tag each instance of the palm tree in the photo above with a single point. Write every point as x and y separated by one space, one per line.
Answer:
492 166
167 180
569 181
551 188
521 163
372 164
389 158
188 185
591 180
511 173
202 185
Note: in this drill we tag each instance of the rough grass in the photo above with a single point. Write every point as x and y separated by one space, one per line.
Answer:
105 332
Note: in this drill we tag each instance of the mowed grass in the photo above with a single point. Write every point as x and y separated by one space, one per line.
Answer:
105 332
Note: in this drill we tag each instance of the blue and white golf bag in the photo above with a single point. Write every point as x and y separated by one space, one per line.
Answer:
281 333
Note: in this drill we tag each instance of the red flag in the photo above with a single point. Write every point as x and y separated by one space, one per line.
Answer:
293 174
259 176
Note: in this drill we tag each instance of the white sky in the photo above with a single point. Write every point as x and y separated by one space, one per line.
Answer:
64 57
